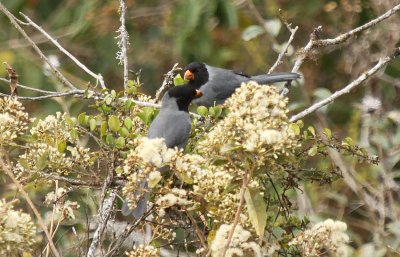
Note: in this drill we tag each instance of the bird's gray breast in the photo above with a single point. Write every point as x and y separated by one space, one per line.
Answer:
172 125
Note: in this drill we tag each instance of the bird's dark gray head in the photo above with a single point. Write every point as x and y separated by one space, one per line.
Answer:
181 96
196 73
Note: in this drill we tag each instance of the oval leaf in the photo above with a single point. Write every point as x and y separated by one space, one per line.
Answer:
257 210
113 123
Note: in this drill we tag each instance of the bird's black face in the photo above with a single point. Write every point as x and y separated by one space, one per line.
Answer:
184 95
196 73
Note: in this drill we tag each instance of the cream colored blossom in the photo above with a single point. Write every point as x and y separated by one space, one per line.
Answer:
17 231
240 245
143 251
327 235
13 120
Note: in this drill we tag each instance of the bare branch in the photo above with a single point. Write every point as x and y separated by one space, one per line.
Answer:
245 182
56 72
123 43
167 83
381 63
104 215
98 77
29 88
315 43
281 54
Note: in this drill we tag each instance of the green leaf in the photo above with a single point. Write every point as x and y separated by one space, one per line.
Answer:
257 210
124 132
108 99
110 140
103 128
295 128
128 123
215 111
130 83
128 104
120 142
312 130
313 150
113 123
178 80
82 119
113 93
41 161
74 134
348 141
146 114
328 133
92 124
61 146
300 123
202 111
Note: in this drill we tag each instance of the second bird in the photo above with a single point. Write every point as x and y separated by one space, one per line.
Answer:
218 84
173 124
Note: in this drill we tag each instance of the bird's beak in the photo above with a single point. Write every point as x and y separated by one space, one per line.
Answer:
198 94
188 75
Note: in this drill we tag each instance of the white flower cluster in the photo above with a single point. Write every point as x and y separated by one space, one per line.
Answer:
328 235
240 244
175 197
53 129
257 123
143 165
143 251
13 120
17 231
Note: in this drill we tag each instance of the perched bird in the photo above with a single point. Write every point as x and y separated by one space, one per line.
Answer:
173 124
218 84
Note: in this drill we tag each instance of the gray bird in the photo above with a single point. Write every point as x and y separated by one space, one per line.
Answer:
218 84
173 124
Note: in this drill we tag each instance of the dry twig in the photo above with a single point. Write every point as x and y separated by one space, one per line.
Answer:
56 72
381 63
123 43
167 83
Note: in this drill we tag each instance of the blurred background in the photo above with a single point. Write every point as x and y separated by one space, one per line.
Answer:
243 35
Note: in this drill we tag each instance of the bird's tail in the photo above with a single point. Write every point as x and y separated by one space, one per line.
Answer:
141 206
275 77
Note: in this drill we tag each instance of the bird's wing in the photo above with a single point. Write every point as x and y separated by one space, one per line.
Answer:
172 125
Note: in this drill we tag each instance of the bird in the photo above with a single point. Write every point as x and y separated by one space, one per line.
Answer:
173 124
218 84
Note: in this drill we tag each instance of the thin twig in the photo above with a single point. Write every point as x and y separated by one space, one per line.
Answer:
28 87
283 52
56 72
167 83
381 63
7 170
315 43
123 43
98 77
245 181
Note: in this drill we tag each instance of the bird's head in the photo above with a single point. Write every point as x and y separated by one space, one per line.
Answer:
196 73
181 96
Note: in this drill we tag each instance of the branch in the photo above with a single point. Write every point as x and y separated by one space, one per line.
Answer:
7 170
123 43
78 182
167 83
315 43
245 181
104 215
98 77
381 63
29 88
283 52
56 72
